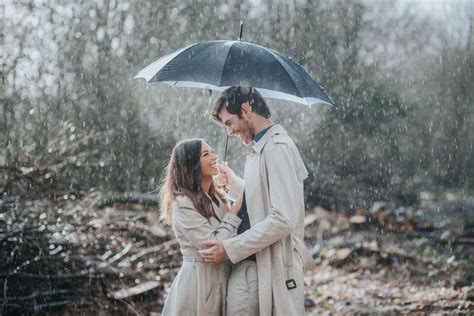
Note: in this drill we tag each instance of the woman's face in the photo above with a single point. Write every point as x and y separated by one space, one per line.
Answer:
208 161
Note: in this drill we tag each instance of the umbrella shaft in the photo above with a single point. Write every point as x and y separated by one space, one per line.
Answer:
225 150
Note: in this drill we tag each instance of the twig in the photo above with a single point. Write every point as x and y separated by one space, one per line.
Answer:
37 294
135 290
82 301
126 262
82 274
129 306
453 241
130 198
5 299
117 256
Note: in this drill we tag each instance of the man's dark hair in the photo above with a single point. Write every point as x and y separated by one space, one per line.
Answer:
232 99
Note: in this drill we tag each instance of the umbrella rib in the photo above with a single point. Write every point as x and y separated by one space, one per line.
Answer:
176 56
285 65
223 65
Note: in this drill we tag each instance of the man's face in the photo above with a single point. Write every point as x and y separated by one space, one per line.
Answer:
237 126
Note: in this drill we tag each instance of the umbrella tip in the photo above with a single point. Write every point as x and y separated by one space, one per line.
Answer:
241 30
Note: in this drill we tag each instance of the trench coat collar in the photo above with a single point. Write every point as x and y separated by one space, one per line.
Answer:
220 209
275 129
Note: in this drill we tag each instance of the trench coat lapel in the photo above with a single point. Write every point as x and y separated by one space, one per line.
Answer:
256 193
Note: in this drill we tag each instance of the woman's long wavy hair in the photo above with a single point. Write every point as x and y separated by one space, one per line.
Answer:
183 177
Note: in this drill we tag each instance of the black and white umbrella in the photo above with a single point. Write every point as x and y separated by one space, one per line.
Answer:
217 65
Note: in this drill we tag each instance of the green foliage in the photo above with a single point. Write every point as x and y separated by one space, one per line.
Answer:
359 151
453 152
373 110
466 266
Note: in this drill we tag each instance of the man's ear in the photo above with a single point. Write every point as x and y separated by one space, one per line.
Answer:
246 108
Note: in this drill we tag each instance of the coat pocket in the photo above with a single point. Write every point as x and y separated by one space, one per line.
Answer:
306 258
212 297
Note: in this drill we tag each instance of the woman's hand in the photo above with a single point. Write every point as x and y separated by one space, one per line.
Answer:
235 208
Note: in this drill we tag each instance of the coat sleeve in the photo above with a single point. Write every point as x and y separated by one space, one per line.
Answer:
196 228
284 185
237 188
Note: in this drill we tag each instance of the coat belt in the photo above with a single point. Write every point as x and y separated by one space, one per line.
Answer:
192 259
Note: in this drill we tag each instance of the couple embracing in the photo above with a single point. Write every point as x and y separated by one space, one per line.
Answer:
246 257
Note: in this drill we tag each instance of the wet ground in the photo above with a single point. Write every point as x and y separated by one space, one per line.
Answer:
364 269
87 256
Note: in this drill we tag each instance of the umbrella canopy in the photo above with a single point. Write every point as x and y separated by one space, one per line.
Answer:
217 65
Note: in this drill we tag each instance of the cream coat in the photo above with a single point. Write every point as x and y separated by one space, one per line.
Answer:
274 174
199 288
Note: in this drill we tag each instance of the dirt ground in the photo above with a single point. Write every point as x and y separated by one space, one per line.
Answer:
101 255
364 269
368 286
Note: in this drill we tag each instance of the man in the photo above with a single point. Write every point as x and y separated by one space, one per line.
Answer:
268 253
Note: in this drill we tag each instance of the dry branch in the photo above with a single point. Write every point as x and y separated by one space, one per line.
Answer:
83 256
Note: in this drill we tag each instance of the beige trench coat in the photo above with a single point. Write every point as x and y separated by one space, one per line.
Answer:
199 288
274 174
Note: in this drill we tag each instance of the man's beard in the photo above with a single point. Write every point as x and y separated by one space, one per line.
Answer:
251 132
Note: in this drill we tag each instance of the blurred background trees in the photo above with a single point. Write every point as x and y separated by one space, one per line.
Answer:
402 80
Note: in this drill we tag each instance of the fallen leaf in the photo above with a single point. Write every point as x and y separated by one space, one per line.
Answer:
310 219
343 253
358 219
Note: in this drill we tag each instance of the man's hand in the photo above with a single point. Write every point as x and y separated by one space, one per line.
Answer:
215 252
226 176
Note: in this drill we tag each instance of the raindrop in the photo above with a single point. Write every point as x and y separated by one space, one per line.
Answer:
115 43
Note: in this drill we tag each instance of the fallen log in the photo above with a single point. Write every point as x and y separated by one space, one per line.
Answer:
145 199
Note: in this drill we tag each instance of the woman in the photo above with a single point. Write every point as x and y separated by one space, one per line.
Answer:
198 211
